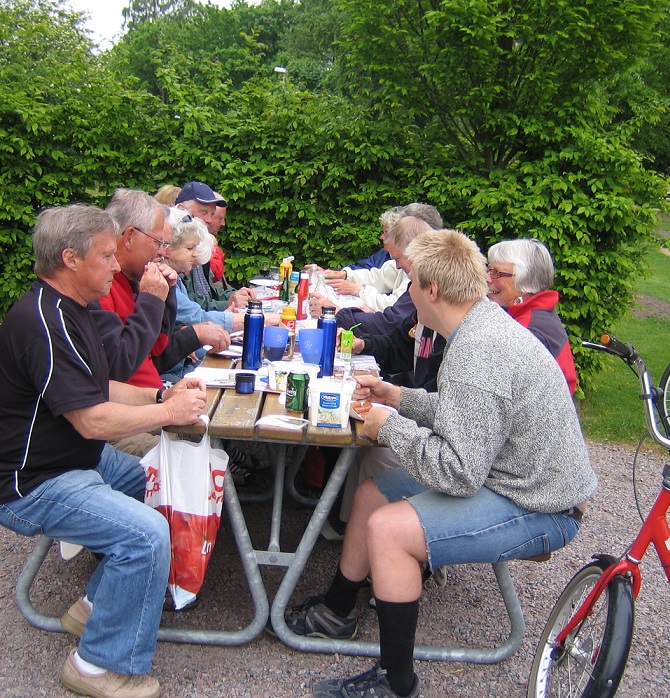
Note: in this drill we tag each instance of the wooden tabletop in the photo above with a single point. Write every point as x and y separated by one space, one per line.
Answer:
234 416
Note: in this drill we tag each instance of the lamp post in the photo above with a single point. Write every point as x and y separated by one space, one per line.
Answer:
282 71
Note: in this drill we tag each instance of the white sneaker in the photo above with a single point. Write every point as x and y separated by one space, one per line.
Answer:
69 550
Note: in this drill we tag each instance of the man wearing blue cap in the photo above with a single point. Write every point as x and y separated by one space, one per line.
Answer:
200 201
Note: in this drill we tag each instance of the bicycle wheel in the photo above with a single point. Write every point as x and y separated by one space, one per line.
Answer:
664 402
593 659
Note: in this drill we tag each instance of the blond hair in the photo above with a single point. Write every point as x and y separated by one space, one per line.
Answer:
452 261
167 194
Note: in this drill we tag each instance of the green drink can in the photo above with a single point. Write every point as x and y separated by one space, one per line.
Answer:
296 391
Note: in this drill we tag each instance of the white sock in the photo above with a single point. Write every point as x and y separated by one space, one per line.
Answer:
87 667
88 602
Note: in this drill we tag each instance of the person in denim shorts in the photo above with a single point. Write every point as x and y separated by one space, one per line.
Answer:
494 465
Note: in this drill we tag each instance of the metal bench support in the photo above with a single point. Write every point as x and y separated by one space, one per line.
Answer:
200 637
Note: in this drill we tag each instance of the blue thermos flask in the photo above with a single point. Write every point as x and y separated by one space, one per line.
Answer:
253 336
328 324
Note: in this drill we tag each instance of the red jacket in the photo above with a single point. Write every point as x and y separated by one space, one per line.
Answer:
216 263
538 314
121 300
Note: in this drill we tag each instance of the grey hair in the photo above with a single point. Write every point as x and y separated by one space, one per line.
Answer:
405 230
67 227
391 216
453 262
185 226
134 208
533 267
426 213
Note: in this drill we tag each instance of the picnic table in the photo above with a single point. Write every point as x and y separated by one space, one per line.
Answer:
234 416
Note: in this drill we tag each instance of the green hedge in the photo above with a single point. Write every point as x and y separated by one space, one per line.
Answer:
306 174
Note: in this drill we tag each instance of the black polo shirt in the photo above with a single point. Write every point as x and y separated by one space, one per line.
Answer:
51 362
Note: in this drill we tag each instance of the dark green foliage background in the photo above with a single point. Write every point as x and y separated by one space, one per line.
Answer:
379 111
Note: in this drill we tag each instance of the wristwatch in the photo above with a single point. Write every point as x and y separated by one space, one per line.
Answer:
159 395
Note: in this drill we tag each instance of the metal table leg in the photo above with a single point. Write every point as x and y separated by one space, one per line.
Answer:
301 556
371 649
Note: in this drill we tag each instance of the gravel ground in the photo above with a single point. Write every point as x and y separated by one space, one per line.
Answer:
468 611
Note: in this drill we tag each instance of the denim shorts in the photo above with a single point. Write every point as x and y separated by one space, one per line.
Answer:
486 527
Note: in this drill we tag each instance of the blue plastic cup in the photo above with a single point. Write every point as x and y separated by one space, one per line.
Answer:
311 345
274 342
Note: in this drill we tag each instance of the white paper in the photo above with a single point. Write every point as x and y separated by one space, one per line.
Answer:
283 421
364 362
234 351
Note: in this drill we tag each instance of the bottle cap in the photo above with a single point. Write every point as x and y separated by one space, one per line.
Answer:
328 310
288 311
255 305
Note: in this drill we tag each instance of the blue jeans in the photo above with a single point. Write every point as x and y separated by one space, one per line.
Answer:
486 527
103 511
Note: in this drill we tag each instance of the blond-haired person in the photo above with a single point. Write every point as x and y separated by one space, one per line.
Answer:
494 465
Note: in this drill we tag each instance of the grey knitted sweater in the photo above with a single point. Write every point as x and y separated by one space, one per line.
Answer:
502 418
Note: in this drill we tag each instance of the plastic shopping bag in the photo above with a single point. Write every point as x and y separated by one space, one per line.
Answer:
185 483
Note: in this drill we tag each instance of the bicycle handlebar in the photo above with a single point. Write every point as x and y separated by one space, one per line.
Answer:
613 346
649 394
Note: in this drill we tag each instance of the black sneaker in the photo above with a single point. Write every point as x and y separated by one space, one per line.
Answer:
314 619
371 684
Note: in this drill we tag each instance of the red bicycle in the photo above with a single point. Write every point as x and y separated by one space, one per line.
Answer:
584 647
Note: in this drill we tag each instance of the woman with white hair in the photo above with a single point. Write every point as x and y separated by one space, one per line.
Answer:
519 276
198 280
191 246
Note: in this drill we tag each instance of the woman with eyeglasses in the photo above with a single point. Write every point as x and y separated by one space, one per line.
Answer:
519 276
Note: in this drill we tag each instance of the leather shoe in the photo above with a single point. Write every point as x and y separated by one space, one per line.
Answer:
76 617
108 685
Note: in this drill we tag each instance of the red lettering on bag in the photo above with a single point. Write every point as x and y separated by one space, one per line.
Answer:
218 476
192 543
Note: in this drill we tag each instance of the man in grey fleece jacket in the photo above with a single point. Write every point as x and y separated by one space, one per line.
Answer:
494 465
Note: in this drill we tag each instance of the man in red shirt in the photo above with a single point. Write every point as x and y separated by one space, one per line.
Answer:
217 262
144 285
142 301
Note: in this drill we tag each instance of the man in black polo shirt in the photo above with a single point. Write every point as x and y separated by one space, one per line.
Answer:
57 474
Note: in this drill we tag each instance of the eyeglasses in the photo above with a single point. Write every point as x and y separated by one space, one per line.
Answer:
188 218
161 243
496 273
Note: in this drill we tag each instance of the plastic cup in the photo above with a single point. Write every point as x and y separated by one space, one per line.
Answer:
274 342
311 345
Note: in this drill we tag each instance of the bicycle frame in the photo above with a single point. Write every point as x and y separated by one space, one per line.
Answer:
655 528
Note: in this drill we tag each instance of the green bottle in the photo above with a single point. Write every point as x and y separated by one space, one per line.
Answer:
285 292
